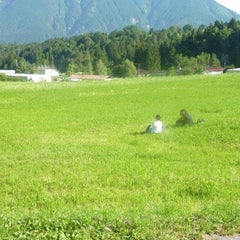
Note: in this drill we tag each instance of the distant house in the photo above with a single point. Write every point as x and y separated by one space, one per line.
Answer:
233 70
45 76
214 70
79 77
6 72
48 71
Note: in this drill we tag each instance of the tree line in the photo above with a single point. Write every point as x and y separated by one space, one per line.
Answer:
186 50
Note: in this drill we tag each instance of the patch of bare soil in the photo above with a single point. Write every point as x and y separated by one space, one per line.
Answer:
235 237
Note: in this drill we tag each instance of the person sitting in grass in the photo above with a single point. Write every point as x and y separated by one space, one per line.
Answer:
156 126
185 119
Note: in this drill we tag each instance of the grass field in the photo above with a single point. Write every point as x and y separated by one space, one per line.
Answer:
74 164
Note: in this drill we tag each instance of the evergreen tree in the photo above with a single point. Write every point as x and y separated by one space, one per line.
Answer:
100 68
153 58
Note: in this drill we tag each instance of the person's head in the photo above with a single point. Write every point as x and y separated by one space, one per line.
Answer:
158 117
183 112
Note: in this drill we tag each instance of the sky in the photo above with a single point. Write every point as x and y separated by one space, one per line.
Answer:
231 4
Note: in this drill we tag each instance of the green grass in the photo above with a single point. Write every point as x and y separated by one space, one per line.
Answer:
74 164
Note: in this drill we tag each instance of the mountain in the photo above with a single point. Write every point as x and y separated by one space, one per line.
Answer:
24 21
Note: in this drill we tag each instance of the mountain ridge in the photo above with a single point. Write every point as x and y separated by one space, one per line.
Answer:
24 21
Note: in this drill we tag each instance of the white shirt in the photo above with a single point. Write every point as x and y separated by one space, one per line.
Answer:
157 126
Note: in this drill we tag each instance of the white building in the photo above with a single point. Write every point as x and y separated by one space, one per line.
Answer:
6 72
233 70
47 75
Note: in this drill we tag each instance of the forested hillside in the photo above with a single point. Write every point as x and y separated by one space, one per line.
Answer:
25 21
186 50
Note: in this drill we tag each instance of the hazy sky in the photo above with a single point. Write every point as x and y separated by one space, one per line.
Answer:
231 4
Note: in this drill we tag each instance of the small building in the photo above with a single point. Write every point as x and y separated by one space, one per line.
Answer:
214 70
46 76
79 77
6 72
48 71
233 70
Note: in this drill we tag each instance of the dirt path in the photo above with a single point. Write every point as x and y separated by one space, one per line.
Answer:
235 237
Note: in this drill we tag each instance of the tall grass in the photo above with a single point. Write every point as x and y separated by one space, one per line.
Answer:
75 164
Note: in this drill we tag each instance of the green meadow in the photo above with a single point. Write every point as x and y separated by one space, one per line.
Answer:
75 163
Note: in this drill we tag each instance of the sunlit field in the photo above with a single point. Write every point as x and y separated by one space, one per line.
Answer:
75 163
